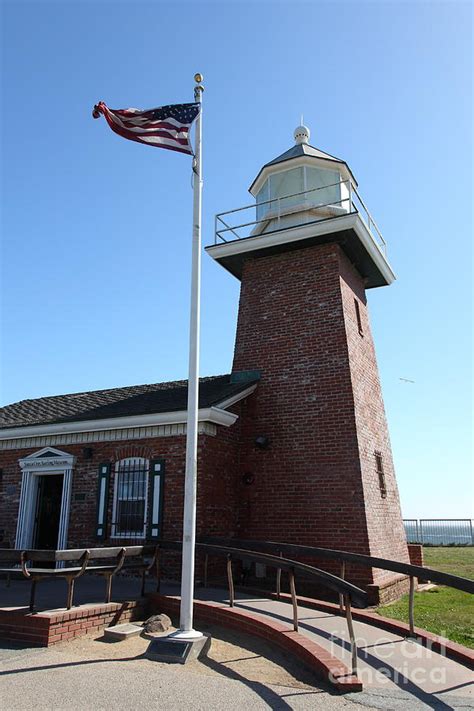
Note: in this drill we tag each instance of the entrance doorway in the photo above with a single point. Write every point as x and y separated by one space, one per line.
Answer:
48 511
43 510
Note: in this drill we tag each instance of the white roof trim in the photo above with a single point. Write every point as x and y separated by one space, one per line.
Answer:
216 415
235 398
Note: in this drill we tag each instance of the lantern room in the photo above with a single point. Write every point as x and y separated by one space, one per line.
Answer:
301 180
303 197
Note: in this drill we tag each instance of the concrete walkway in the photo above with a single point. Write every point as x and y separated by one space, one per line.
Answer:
385 661
397 674
117 678
59 678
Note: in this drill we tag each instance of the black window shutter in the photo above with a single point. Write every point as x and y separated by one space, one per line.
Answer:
157 479
102 500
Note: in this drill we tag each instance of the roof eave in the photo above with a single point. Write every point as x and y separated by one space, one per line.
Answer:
216 414
213 414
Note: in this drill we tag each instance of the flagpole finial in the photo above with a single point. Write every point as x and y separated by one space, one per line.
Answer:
198 89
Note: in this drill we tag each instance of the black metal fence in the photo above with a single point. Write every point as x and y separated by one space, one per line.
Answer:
439 531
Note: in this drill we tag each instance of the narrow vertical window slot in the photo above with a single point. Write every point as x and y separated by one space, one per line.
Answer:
359 320
380 474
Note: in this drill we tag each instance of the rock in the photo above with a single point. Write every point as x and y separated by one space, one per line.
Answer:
157 623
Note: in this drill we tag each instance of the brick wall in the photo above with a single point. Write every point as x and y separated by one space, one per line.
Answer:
386 533
45 628
320 404
217 462
415 551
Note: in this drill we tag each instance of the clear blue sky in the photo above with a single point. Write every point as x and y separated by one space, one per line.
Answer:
96 229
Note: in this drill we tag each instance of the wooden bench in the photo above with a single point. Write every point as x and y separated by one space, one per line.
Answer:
14 558
35 572
109 561
96 561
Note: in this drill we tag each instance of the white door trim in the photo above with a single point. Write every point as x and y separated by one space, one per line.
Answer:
46 461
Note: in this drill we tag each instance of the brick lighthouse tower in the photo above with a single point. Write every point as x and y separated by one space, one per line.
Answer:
316 438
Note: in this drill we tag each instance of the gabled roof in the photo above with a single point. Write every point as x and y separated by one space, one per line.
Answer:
119 402
299 150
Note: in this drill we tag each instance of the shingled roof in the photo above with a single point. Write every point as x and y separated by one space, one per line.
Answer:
119 402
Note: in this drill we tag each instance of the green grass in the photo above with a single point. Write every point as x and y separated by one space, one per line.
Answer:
457 561
443 610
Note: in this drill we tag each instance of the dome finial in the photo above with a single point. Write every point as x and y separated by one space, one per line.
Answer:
302 133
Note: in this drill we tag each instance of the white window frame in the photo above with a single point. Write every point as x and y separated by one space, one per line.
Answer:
130 534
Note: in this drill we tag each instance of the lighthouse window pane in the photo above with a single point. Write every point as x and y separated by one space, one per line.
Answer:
321 178
262 196
285 183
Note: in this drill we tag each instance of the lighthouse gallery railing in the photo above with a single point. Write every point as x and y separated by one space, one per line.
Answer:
277 209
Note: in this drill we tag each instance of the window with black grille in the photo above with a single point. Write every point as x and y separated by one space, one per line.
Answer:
130 498
381 474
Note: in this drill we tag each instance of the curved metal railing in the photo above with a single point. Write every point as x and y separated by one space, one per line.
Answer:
417 571
350 593
412 571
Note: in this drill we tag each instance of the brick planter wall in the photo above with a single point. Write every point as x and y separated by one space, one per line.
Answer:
415 551
46 628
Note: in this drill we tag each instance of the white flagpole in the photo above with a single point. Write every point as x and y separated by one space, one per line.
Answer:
186 630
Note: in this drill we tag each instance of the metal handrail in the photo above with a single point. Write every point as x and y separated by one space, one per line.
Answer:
413 571
417 571
370 218
352 190
327 579
351 593
270 217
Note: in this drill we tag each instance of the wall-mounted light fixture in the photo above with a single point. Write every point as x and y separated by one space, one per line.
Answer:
248 478
88 453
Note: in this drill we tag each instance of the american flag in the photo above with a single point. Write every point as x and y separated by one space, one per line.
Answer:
163 127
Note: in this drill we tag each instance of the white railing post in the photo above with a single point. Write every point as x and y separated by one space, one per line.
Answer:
350 195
